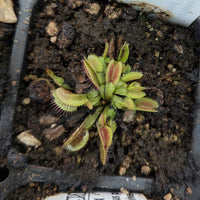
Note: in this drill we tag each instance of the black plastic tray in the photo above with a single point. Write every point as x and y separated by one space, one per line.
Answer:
19 173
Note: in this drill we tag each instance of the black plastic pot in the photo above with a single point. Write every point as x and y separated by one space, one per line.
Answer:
18 173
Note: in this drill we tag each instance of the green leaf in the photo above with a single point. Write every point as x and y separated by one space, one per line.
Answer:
106 127
78 139
92 93
105 51
95 63
126 68
112 125
128 104
113 72
68 98
135 86
146 104
109 89
135 94
96 101
61 105
58 80
91 74
101 78
106 136
90 120
121 84
104 63
89 104
121 91
108 112
131 76
116 101
124 53
102 91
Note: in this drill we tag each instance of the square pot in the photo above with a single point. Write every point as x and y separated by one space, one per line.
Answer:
17 165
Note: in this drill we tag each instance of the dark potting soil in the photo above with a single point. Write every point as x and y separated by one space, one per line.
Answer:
155 145
36 191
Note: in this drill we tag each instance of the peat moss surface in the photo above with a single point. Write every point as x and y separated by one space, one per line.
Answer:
154 145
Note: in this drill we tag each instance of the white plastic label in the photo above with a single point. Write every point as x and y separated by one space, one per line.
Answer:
96 196
182 12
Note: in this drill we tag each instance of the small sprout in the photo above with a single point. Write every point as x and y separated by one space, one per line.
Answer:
124 53
58 80
105 51
112 90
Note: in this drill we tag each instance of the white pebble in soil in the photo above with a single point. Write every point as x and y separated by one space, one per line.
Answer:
26 101
7 14
112 13
28 139
168 196
124 190
146 170
93 8
49 10
52 29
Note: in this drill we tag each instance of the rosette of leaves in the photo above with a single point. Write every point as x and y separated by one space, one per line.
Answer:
115 87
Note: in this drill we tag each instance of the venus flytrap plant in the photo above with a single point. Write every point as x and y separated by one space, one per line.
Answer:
115 87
